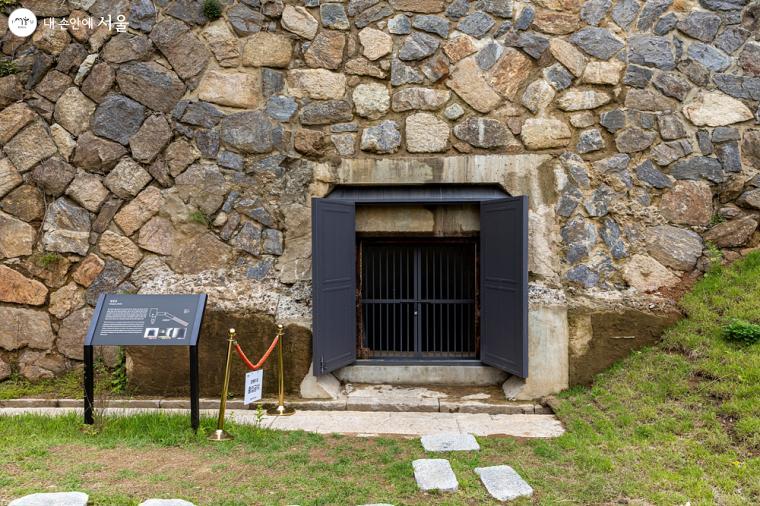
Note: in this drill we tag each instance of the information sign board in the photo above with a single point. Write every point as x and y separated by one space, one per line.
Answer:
145 320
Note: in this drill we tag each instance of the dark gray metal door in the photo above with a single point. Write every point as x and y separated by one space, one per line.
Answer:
504 284
333 265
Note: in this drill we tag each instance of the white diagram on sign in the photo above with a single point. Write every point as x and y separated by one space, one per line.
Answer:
165 332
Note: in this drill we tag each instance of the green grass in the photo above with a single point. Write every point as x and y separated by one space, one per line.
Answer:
7 67
199 218
47 259
68 386
673 423
212 9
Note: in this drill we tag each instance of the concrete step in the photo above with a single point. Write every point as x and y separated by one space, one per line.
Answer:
475 374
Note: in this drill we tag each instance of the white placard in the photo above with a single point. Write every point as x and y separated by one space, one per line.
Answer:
253 384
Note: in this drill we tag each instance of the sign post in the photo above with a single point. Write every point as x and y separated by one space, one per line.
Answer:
145 320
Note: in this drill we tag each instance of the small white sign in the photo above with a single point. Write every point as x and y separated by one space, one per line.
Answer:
22 22
253 384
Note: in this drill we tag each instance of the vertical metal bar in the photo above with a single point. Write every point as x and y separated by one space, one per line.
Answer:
370 281
195 416
460 295
410 320
426 329
89 385
447 274
392 305
417 303
385 304
381 287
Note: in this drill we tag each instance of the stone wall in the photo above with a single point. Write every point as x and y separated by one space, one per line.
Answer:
182 154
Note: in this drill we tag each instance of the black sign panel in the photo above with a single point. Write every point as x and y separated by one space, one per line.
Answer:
146 320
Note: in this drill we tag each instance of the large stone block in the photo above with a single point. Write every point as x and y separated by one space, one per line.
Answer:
319 84
375 43
543 133
25 327
471 87
647 274
96 154
66 227
326 50
117 118
12 119
732 234
88 191
185 52
509 72
30 146
426 134
150 84
223 43
9 177
72 332
137 212
18 289
298 20
716 109
677 248
688 203
371 100
65 300
119 247
266 49
234 89
127 178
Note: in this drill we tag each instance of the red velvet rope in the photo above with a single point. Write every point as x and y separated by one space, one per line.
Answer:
260 363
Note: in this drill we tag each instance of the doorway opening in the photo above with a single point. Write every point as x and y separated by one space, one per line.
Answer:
417 299
486 319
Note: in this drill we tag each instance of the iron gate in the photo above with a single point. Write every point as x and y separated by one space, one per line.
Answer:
418 300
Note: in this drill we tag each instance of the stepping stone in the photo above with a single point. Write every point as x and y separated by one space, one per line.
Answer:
449 442
166 502
57 499
434 474
503 482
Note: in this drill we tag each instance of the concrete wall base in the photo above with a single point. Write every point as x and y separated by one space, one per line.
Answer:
320 387
450 375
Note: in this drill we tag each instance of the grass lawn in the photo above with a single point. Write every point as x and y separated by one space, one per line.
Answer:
673 423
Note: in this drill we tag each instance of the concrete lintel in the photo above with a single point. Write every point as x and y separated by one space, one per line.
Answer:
519 174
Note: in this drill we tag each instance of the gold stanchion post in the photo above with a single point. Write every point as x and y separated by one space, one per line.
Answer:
280 410
220 434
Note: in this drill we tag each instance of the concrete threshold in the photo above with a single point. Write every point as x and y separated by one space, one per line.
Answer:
411 404
359 423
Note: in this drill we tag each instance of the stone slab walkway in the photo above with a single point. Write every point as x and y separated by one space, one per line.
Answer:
503 482
82 499
449 442
55 498
435 474
367 422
